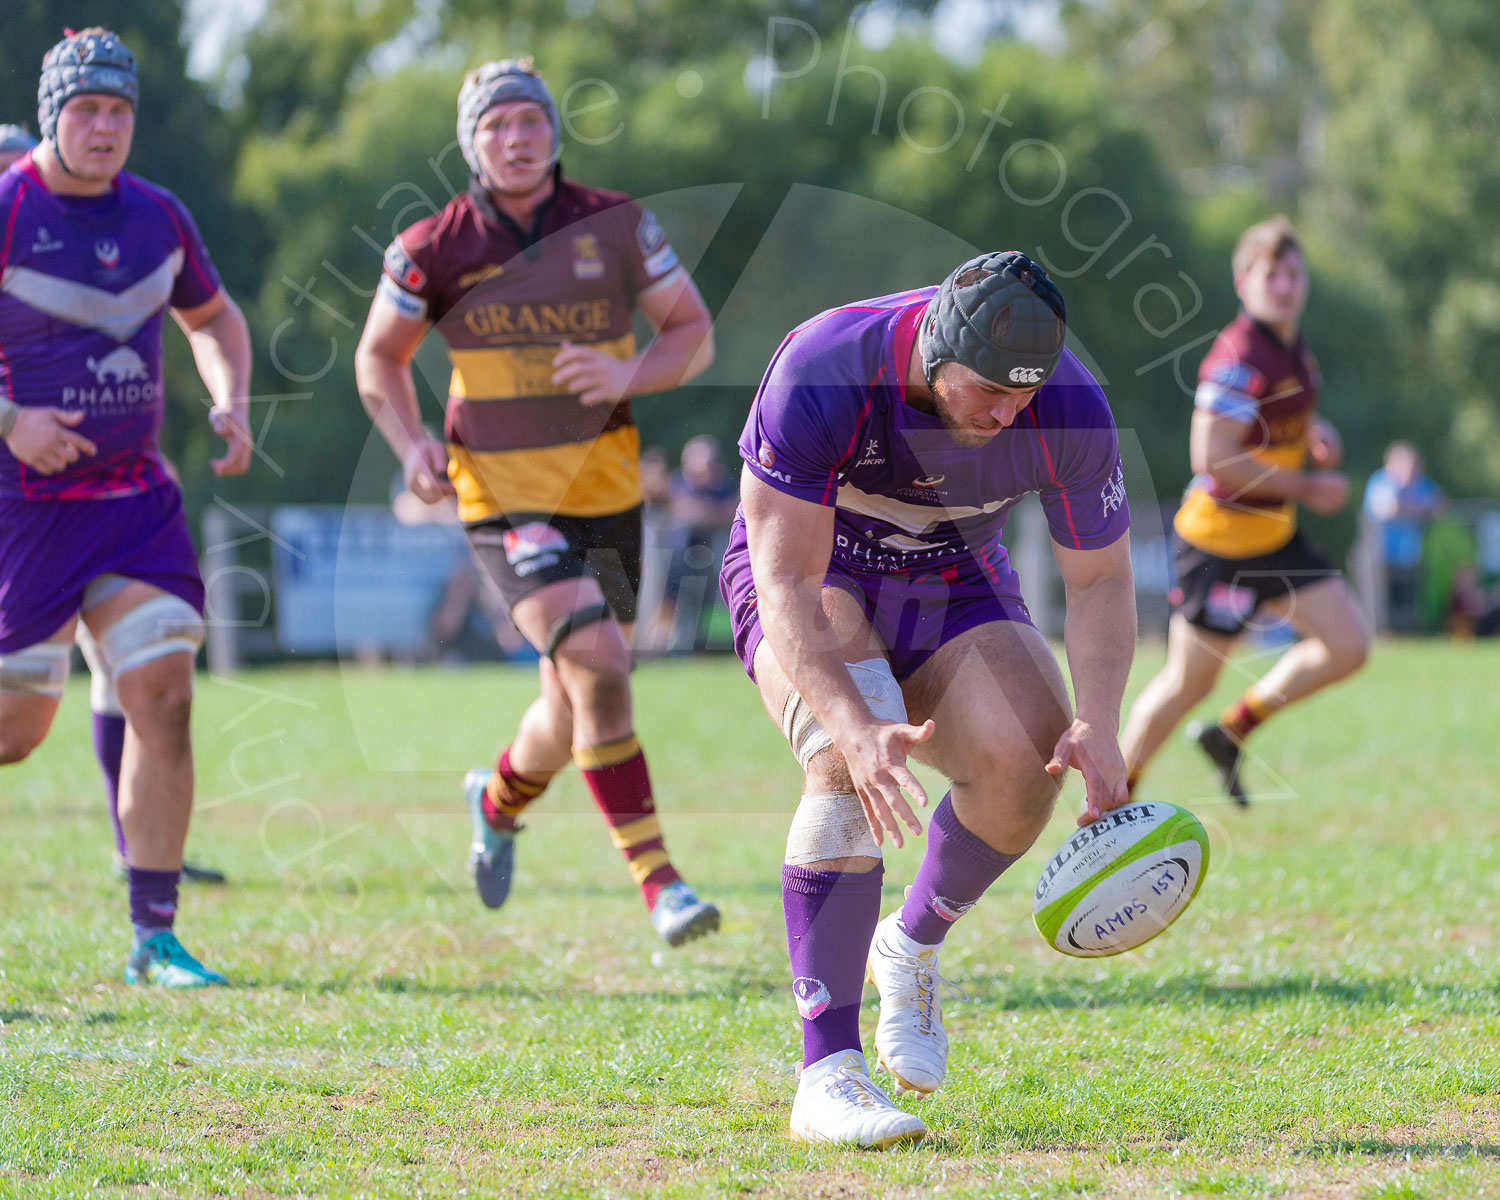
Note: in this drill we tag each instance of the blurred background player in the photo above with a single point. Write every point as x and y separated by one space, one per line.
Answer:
1239 552
876 608
1400 500
15 141
91 522
533 281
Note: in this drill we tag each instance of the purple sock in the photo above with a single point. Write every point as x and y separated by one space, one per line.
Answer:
153 901
830 919
109 746
956 870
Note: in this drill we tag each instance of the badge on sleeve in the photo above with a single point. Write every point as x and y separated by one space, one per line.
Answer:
405 272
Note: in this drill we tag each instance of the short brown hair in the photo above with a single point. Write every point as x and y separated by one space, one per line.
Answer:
1267 239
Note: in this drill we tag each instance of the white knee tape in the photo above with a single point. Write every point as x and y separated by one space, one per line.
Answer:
877 686
102 697
39 670
160 626
881 692
831 825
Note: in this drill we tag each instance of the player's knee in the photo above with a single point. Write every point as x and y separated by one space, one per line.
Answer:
603 693
827 771
157 698
16 745
1349 652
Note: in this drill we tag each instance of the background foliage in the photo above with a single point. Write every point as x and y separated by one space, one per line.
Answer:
1130 151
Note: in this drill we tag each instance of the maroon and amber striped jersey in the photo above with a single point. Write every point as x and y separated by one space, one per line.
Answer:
1252 378
505 300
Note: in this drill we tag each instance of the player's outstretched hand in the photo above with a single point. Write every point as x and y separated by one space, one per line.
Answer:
596 377
426 471
1095 753
44 440
230 425
878 767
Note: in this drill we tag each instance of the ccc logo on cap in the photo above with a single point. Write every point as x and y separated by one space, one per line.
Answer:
1026 374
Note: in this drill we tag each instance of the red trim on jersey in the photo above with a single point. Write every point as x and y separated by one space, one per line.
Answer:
1052 471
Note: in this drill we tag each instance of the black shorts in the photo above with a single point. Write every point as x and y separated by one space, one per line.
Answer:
1222 595
524 552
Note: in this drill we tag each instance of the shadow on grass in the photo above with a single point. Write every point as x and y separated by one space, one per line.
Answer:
19 1014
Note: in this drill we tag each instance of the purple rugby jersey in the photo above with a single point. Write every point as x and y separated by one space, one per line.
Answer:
830 424
84 281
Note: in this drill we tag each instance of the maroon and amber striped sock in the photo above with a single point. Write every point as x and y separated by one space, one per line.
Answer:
509 792
1244 715
616 775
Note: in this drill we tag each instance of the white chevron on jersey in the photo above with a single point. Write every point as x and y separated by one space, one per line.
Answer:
117 314
913 518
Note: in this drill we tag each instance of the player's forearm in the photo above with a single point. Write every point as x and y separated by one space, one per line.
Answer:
1251 480
675 355
390 398
1100 639
221 352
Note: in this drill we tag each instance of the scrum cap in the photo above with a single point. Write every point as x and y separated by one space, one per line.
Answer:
498 83
93 61
999 315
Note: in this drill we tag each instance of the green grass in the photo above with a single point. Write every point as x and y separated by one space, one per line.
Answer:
1323 1022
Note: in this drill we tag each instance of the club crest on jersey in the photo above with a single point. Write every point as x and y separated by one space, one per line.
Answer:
766 457
107 251
588 263
928 481
812 995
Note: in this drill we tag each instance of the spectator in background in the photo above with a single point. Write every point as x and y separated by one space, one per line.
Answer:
653 613
703 500
1401 501
15 140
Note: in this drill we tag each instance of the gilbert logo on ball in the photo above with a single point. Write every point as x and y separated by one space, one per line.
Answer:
1119 882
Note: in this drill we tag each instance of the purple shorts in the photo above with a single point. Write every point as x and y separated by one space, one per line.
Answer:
51 550
912 614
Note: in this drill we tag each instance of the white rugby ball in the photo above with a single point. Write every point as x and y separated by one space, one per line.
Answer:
1119 882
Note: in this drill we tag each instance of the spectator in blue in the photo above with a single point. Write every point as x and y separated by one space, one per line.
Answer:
1400 500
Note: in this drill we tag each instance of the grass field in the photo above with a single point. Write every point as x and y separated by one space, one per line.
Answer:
1324 1022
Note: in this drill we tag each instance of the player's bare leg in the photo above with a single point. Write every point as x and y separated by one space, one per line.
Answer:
586 696
1335 643
29 700
156 791
1194 659
832 904
998 706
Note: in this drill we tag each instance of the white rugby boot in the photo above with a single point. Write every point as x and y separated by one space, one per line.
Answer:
838 1104
910 1042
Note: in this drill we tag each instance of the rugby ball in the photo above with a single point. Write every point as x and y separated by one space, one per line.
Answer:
1119 882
